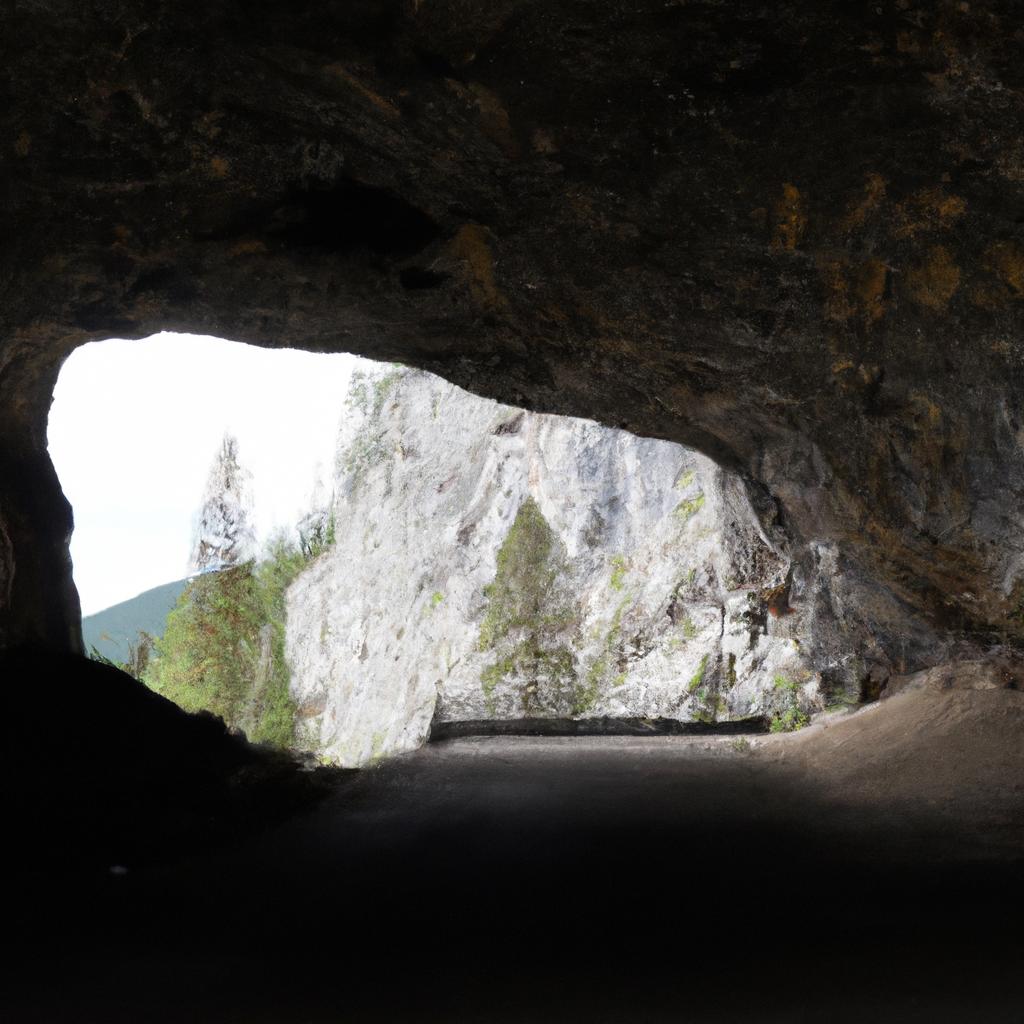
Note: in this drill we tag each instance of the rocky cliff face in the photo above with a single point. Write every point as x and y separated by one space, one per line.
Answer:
495 563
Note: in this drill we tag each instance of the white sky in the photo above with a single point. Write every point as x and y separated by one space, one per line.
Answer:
134 428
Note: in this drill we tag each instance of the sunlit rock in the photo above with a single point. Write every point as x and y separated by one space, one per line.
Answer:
495 563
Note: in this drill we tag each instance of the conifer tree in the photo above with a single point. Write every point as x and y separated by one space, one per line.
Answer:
224 535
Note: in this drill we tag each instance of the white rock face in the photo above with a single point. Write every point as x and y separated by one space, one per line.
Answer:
491 562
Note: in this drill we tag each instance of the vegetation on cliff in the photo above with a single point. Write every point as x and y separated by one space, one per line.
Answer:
529 616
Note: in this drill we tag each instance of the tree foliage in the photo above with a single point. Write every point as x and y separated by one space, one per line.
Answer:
223 649
223 646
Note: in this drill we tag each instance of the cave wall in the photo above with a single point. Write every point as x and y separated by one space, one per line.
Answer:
791 236
38 600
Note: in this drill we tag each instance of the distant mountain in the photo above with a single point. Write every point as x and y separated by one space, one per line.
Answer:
113 629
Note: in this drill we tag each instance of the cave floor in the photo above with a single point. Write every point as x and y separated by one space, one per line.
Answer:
535 880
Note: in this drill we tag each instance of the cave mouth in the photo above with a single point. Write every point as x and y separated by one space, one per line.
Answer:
134 426
199 471
379 559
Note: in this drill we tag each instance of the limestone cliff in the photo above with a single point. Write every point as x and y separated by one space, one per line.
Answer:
492 562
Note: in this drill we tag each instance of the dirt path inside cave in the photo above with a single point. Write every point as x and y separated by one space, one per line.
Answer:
865 869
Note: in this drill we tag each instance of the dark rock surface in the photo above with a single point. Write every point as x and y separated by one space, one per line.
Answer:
96 771
789 235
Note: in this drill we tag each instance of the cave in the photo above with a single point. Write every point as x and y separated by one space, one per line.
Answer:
790 238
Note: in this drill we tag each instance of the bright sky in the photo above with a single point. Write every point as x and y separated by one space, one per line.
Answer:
134 428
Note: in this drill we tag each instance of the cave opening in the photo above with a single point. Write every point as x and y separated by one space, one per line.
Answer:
380 558
199 471
788 235
134 426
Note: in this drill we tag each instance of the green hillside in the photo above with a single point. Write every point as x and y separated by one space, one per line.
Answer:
111 630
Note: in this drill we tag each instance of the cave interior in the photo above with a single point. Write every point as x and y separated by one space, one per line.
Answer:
790 237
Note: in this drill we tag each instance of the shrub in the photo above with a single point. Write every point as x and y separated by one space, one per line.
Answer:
784 712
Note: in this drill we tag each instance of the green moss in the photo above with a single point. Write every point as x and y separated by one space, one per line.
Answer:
615 629
619 680
436 598
689 629
618 572
730 672
382 387
376 747
518 595
493 675
686 479
689 507
698 676
600 668
586 695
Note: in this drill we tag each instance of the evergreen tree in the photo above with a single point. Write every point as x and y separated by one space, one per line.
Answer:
223 649
223 534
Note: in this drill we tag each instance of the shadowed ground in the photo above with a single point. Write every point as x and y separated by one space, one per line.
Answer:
551 879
